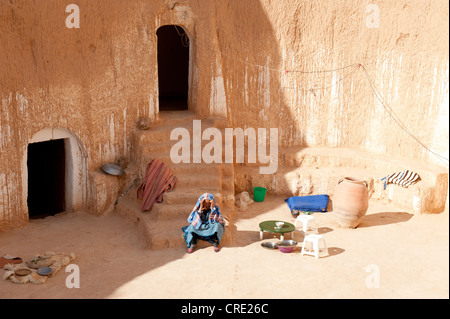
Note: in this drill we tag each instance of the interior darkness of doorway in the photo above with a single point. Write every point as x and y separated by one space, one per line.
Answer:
46 163
173 68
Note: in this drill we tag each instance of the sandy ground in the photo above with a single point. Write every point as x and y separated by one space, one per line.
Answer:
408 254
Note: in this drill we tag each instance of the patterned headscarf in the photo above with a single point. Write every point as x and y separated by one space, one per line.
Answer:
214 216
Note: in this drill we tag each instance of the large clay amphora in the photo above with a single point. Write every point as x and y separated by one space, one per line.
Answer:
350 201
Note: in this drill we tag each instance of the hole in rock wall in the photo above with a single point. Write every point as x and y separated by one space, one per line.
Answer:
46 165
173 68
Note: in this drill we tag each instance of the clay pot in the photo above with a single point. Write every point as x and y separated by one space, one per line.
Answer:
350 202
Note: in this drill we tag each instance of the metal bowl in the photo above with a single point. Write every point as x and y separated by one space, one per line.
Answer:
287 246
287 243
44 271
269 245
113 169
286 249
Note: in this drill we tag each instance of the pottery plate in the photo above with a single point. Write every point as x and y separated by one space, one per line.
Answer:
44 271
22 272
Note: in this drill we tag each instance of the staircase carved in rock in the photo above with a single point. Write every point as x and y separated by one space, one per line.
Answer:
161 226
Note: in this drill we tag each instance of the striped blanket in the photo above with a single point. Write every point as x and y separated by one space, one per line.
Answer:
404 178
158 179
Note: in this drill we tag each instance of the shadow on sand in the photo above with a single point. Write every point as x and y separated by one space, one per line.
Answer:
384 218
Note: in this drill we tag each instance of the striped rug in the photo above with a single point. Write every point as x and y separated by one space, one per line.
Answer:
158 179
404 178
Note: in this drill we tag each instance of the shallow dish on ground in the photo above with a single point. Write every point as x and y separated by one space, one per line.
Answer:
44 271
22 272
269 245
286 246
39 262
287 243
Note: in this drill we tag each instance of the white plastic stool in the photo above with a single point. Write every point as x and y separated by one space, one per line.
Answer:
308 224
315 240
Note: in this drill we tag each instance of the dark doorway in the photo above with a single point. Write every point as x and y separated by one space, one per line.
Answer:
173 68
46 178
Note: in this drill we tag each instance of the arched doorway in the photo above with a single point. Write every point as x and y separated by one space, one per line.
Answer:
46 166
173 68
54 173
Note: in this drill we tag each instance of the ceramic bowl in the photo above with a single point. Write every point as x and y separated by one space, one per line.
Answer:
286 246
279 224
22 272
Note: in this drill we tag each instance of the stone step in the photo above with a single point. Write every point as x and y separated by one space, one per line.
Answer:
160 228
180 117
174 117
321 157
198 181
188 174
228 206
189 196
295 180
166 234
162 132
129 209
176 204
153 232
146 155
429 194
132 207
228 183
165 146
343 157
196 168
180 169
163 211
170 235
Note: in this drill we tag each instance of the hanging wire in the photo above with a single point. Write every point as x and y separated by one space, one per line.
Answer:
312 89
184 37
388 109
325 71
395 117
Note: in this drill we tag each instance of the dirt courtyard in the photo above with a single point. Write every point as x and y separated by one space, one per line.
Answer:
408 254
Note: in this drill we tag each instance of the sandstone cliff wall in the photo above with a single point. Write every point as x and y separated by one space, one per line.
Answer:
95 81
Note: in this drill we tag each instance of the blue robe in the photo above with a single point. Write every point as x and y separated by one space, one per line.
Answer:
208 230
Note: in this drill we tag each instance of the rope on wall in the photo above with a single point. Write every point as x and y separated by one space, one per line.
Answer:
357 66
394 116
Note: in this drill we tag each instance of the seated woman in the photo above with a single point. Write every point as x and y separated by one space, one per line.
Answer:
205 223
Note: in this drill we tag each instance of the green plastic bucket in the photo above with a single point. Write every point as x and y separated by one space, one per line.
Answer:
259 193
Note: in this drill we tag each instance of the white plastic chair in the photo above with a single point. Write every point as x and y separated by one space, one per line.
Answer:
308 224
318 243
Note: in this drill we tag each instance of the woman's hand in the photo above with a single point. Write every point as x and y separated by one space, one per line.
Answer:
205 205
